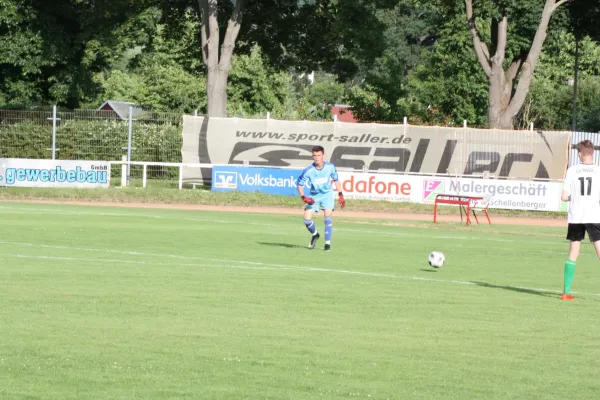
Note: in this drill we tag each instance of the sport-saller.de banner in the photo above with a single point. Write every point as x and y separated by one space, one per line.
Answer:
374 147
54 173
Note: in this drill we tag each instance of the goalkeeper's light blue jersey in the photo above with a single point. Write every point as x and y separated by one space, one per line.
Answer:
319 180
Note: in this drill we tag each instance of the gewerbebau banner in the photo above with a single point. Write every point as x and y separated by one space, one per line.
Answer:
247 179
24 172
373 147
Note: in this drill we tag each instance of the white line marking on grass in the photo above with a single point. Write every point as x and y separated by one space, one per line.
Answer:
44 211
257 265
115 261
137 253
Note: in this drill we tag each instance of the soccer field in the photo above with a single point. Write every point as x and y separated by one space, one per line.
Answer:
114 303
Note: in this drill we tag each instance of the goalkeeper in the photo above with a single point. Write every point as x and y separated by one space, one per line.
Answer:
318 176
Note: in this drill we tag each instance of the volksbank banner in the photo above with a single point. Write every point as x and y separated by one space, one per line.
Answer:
375 147
54 173
247 179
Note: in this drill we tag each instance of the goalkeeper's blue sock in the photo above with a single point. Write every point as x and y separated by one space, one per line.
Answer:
310 225
328 229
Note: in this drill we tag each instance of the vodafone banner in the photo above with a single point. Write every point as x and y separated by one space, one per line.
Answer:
389 187
505 194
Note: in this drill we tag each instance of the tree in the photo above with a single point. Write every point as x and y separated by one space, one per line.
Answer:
301 35
50 51
21 54
509 66
410 27
255 88
448 86
217 61
549 102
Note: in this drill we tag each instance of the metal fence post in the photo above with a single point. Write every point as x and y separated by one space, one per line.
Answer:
54 132
124 171
130 130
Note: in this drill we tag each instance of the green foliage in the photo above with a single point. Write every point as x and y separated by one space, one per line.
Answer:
550 107
364 101
549 103
119 85
584 16
588 104
388 58
255 88
448 86
28 139
316 98
21 55
408 29
154 86
160 77
169 87
337 36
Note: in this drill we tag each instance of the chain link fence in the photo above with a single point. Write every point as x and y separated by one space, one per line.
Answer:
95 135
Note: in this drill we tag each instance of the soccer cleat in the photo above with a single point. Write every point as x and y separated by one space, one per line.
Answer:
327 247
313 241
567 296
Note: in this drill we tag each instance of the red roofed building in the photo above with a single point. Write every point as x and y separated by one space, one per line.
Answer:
346 115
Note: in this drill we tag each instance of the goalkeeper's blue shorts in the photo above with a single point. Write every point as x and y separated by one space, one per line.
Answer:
323 201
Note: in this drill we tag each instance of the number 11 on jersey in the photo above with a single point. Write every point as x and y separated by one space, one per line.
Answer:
582 181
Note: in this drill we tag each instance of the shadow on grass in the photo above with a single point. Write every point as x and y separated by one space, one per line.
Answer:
286 245
429 270
518 289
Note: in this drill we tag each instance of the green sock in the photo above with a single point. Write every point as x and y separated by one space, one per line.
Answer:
569 273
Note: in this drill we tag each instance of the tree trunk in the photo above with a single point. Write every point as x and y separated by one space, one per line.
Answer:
504 99
499 96
217 66
216 88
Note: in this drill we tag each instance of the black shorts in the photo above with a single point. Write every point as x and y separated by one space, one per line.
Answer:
576 232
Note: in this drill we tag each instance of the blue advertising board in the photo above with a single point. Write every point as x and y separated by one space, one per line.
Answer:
228 178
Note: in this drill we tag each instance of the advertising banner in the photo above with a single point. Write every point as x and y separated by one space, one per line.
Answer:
509 194
22 172
277 181
504 194
373 147
380 186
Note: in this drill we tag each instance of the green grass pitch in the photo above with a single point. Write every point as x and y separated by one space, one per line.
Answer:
111 303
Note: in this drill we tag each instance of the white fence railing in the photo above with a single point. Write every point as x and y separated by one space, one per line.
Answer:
181 166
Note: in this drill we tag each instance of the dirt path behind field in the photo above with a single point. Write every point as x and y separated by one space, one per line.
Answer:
292 211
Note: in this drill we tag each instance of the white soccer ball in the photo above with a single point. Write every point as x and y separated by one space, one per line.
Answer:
436 259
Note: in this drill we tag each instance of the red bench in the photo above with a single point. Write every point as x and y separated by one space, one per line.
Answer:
467 203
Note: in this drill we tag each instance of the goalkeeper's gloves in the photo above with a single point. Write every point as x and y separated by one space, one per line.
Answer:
341 200
308 200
